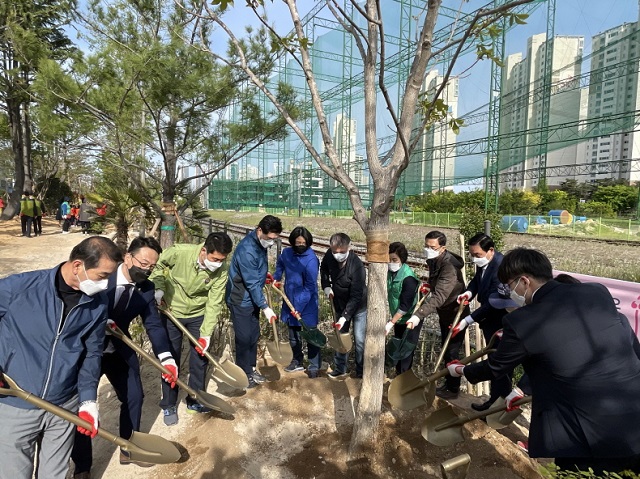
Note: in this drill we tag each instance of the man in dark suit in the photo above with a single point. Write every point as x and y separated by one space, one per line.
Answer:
130 294
583 362
483 253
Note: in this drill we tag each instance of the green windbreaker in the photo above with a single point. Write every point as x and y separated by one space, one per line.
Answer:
189 290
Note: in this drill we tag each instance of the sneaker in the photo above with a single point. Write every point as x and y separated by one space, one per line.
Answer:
252 383
293 367
257 377
196 407
170 416
313 374
126 459
335 374
444 393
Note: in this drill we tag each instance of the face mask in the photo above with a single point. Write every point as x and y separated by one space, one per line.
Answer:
299 249
138 275
91 287
212 265
266 243
519 300
394 267
340 257
431 254
480 262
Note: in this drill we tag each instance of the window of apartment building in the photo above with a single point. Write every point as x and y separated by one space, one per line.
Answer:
610 90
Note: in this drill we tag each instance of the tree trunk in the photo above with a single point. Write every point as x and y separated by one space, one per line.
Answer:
15 125
168 226
122 234
367 416
27 161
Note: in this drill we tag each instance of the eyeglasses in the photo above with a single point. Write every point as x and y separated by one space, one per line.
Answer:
434 248
144 264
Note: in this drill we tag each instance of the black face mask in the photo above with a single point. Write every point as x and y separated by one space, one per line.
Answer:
300 249
139 275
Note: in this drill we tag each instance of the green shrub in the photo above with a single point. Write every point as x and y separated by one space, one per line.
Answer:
472 222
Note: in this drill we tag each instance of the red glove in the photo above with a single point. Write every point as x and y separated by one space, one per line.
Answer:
425 288
269 278
456 369
170 364
296 315
277 284
203 341
89 412
513 396
499 333
466 296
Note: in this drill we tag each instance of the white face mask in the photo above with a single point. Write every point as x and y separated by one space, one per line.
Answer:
519 300
394 267
212 265
266 243
480 262
431 254
340 257
91 287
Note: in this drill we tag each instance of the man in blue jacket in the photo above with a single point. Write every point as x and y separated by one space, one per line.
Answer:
52 327
130 294
244 296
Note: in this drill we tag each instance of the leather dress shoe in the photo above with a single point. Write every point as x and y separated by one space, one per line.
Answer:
482 406
444 393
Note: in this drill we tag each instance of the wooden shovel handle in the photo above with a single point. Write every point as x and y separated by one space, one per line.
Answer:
463 420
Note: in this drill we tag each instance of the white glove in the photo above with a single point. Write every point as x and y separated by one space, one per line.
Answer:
456 369
111 325
89 412
340 323
466 296
269 314
515 394
413 321
388 327
159 294
329 292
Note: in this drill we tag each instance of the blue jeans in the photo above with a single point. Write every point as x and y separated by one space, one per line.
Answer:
359 321
313 352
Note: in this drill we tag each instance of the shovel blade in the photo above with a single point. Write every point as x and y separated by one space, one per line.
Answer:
231 374
314 336
151 448
444 437
213 402
340 342
406 391
280 352
501 419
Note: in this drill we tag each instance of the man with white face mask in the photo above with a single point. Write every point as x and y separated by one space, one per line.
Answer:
244 295
484 283
190 279
52 327
583 362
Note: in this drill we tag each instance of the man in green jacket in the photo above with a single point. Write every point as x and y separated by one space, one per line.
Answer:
191 280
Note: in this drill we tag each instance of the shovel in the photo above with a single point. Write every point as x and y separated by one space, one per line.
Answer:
503 417
224 371
280 351
456 320
444 427
140 446
340 342
204 398
311 335
399 348
406 390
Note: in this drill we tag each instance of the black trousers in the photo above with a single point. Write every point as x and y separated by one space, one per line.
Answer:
197 363
246 325
125 379
453 349
37 225
500 387
413 337
26 222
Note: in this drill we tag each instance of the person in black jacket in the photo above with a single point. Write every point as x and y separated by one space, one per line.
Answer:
447 283
343 279
583 362
130 294
484 283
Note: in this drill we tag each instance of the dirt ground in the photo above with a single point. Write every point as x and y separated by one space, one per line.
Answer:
290 427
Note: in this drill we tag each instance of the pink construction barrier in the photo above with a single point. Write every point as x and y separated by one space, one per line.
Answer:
626 295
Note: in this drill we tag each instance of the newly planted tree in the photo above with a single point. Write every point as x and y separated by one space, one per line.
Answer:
366 25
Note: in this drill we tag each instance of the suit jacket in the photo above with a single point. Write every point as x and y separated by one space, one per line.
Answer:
583 363
142 303
483 285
